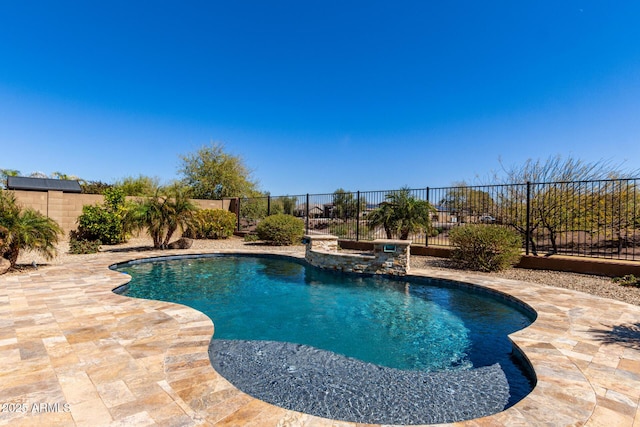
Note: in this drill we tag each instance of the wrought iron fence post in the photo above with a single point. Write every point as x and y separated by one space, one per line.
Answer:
528 225
358 217
307 214
269 205
426 231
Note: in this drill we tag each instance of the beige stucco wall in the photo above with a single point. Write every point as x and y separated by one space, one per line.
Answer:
65 208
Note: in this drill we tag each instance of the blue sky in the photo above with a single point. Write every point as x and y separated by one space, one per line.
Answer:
318 95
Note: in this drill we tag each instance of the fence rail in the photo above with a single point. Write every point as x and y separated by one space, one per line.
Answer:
598 219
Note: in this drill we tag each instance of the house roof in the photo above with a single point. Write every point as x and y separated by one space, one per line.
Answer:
43 184
312 206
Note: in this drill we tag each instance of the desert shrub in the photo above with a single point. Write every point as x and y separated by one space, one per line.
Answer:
212 224
347 230
77 245
281 229
251 237
485 247
341 229
627 280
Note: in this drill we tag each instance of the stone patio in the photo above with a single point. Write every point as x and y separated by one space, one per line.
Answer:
72 353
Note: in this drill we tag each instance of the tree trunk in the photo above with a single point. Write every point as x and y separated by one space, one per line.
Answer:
13 252
157 240
621 242
170 232
554 244
534 249
388 231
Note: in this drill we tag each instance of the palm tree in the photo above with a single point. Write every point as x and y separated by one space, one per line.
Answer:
180 212
25 229
384 216
402 214
162 215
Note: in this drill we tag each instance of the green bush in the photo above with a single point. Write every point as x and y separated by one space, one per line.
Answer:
485 247
212 224
104 222
98 223
281 229
250 237
78 245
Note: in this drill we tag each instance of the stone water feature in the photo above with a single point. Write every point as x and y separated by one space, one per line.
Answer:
389 257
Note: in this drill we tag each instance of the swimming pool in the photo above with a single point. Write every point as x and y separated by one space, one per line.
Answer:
402 325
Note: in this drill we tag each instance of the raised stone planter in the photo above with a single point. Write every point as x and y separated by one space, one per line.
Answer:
389 256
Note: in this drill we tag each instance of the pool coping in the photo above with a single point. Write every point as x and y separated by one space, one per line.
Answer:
113 360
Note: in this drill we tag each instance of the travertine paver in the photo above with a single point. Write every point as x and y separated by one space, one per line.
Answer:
74 353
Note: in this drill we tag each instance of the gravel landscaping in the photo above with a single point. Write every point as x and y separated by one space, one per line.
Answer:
596 285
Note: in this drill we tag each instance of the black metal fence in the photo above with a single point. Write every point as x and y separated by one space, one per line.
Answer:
583 218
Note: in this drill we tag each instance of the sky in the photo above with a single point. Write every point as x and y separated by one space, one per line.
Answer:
318 95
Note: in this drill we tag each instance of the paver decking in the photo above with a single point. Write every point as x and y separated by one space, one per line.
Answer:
72 353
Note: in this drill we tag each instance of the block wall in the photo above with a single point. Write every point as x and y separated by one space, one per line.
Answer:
65 208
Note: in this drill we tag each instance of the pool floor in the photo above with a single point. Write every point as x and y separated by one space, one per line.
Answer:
328 385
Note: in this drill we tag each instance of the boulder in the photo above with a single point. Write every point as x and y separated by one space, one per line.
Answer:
181 243
5 265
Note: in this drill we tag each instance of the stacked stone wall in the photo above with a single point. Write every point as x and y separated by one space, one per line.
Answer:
389 257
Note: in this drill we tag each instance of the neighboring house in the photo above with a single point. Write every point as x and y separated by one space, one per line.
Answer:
315 210
444 215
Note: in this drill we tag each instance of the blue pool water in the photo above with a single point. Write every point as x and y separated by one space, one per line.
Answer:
417 324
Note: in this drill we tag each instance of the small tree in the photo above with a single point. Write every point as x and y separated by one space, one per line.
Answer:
288 204
163 214
140 186
253 209
345 205
467 201
402 214
614 210
211 173
549 202
25 229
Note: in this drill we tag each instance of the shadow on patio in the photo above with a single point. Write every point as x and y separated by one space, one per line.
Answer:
627 335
